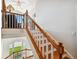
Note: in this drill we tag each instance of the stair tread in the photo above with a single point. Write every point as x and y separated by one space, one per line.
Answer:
66 58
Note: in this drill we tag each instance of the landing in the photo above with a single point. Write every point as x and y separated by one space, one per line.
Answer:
12 33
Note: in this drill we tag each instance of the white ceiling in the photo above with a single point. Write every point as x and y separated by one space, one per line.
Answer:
23 6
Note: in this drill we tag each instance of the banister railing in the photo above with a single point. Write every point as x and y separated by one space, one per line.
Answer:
44 33
21 52
42 41
12 20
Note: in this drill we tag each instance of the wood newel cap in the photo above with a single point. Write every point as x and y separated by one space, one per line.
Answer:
60 44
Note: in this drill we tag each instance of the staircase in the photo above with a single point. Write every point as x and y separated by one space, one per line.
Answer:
45 46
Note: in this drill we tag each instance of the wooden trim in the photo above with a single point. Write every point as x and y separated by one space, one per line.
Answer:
3 6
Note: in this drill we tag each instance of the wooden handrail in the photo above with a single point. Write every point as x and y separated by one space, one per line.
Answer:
17 52
13 13
59 47
44 33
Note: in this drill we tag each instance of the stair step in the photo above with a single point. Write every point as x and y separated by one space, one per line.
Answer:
66 58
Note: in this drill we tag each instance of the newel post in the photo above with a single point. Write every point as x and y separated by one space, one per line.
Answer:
3 13
61 50
26 18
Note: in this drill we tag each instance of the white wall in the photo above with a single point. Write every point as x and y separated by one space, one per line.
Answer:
59 18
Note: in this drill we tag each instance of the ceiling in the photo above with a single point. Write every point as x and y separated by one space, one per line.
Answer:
21 5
